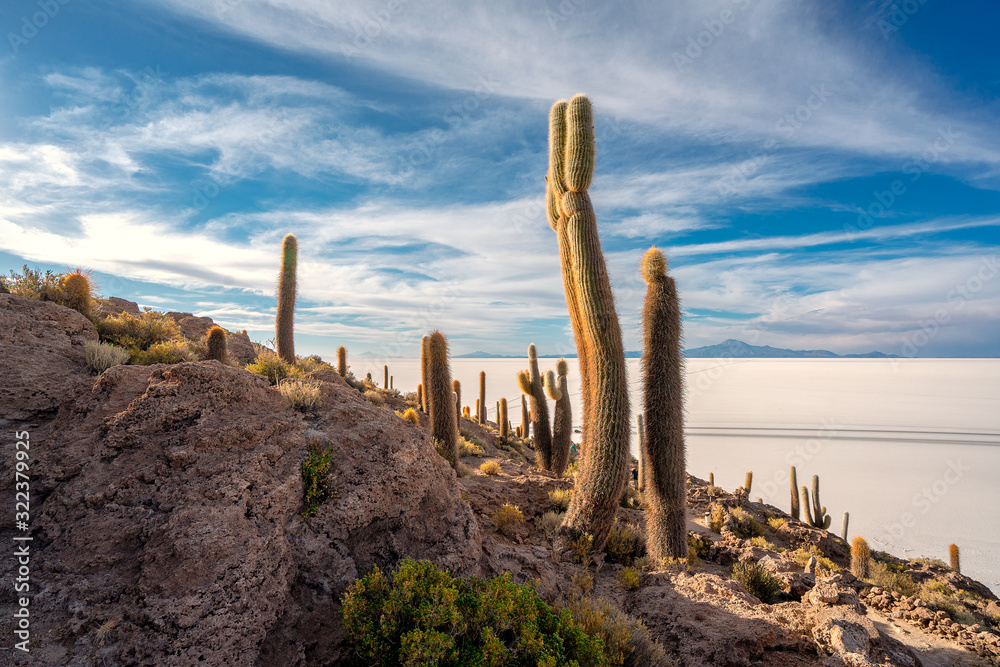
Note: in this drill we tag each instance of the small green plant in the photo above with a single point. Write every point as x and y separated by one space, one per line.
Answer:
776 522
630 578
507 516
302 395
744 525
549 522
169 352
423 616
102 356
273 367
756 579
699 546
625 543
34 284
762 543
581 547
560 498
316 479
627 641
491 468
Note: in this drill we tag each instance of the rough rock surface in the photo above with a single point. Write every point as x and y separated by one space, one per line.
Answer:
166 508
241 351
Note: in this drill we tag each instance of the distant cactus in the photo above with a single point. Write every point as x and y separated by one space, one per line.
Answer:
539 411
562 418
368 377
820 518
425 403
385 376
481 403
456 387
342 361
390 382
861 560
603 471
218 347
497 414
284 338
524 417
444 426
956 564
466 413
503 423
843 532
77 293
748 483
663 406
641 428
420 396
711 479
795 512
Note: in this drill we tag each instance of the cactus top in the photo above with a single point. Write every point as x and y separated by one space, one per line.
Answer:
654 265
562 368
524 382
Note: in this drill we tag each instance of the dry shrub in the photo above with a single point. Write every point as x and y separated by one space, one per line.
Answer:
491 468
630 578
625 543
102 356
507 516
374 397
303 395
627 640
549 522
560 498
467 447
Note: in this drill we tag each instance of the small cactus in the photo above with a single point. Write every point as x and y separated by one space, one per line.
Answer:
524 417
503 423
481 403
456 387
78 294
843 532
440 400
861 560
218 347
748 483
466 413
956 564
562 418
342 361
284 338
795 512
420 396
711 479
663 407
385 376
820 518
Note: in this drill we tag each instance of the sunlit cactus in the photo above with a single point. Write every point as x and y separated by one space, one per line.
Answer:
456 387
843 531
342 361
605 459
284 338
663 408
562 418
795 511
748 483
524 417
820 518
77 293
440 399
217 344
861 559
424 341
539 410
385 376
953 554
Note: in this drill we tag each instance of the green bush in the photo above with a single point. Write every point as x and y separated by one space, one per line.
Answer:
273 367
630 578
316 479
424 616
756 579
744 525
140 331
625 543
626 639
169 352
699 546
35 285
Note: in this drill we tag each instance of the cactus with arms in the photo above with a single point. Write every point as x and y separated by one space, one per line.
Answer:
562 418
532 386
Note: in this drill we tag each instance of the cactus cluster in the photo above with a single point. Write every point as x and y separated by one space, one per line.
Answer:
665 494
530 383
817 516
562 419
283 336
604 466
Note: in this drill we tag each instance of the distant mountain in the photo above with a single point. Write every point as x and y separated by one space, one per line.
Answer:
739 349
482 355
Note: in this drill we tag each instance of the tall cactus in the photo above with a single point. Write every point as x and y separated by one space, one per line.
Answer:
284 339
641 428
385 376
532 386
218 346
562 419
793 483
820 518
847 520
524 417
747 483
440 400
481 403
663 407
456 387
953 555
603 472
424 361
342 361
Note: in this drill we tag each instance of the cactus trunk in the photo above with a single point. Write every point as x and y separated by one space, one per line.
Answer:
504 424
953 554
342 361
385 377
481 403
562 419
217 344
524 417
641 429
747 483
663 406
456 387
424 361
284 339
793 483
843 532
860 558
444 425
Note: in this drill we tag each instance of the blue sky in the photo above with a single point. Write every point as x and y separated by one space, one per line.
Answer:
819 176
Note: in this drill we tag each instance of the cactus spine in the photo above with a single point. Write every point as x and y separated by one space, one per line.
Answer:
860 558
843 532
562 419
504 424
953 554
663 407
605 459
456 387
481 403
77 293
424 341
218 347
641 428
342 361
284 339
441 402
795 494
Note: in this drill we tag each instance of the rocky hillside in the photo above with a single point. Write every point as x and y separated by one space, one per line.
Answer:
166 517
